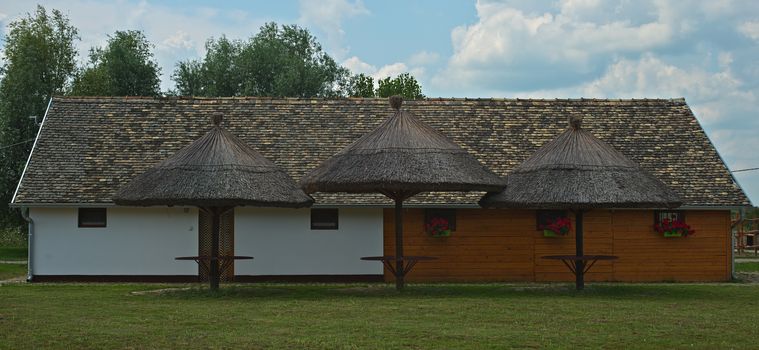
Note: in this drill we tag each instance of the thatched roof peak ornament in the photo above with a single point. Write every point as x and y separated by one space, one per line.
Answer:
575 122
216 119
396 101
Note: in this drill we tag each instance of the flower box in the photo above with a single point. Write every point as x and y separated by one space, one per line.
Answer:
438 227
673 228
555 226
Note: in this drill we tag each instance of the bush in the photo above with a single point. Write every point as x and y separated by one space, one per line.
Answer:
13 237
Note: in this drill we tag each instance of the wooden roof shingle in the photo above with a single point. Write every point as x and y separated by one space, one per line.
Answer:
90 146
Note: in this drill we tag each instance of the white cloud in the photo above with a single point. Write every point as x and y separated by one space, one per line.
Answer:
422 58
356 66
750 29
552 44
391 70
725 59
650 76
572 39
180 40
328 15
714 96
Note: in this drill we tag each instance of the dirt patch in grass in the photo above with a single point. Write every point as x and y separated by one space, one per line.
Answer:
12 271
747 277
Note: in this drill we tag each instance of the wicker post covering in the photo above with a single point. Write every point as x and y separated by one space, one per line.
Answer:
216 172
403 156
579 172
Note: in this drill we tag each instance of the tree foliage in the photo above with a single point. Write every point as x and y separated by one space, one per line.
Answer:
278 61
40 60
217 75
360 85
404 84
125 67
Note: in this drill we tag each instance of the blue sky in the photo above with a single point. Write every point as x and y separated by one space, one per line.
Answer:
703 50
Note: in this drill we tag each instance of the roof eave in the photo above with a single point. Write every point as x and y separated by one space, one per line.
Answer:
28 159
370 205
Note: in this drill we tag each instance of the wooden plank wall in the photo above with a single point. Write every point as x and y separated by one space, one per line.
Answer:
503 245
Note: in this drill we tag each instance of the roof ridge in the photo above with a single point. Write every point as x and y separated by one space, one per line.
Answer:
62 98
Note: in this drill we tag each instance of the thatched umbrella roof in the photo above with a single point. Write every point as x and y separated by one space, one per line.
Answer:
578 171
403 154
400 158
216 170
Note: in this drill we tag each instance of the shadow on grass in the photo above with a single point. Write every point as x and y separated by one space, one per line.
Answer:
661 292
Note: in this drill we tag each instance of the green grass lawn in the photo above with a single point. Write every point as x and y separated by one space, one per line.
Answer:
8 271
13 253
706 316
747 266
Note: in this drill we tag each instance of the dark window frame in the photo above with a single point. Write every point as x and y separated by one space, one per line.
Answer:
88 213
446 213
543 216
325 215
659 215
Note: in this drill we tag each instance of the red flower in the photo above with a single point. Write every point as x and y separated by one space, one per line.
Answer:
668 226
437 226
559 225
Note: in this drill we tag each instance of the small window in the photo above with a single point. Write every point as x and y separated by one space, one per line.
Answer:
92 217
544 217
447 214
672 215
324 219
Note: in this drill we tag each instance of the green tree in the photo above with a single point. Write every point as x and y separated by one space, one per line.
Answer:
404 85
360 85
217 75
125 67
278 61
40 61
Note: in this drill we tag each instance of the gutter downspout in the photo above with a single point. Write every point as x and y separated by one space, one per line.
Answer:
30 242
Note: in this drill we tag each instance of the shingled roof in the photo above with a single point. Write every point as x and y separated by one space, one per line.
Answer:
90 146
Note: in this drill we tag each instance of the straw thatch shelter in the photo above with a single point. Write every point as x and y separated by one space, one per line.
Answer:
577 171
400 158
216 172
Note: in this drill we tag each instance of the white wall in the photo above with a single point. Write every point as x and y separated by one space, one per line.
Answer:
136 241
144 241
282 242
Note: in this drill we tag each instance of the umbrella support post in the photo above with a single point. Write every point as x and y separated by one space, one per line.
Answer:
399 270
579 251
213 275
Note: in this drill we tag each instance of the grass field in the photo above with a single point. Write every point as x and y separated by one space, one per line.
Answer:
13 253
747 267
462 316
8 271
